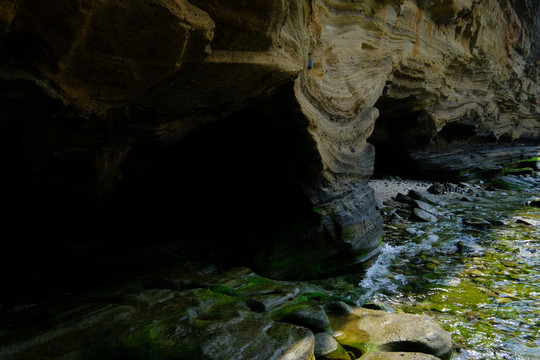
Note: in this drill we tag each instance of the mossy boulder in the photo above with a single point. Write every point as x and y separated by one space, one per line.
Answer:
312 317
363 331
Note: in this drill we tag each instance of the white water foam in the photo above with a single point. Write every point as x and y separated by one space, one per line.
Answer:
380 278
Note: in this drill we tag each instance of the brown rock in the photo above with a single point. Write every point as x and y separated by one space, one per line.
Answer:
7 13
105 53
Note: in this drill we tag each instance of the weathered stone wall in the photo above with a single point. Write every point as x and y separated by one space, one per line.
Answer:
440 62
86 85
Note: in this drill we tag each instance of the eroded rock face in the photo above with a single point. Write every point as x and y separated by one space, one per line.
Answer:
432 72
210 317
91 89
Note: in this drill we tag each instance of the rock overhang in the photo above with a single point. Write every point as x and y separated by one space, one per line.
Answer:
112 78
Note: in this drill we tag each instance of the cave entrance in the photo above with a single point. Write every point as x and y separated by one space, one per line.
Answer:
224 188
216 194
400 130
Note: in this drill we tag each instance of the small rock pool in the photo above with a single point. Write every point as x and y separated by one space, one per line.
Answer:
480 282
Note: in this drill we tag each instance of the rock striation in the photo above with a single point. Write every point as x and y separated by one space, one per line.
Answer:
198 312
94 93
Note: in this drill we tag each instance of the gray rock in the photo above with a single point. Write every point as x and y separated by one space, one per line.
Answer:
479 159
426 207
312 317
264 303
327 348
436 189
469 249
392 203
324 344
410 333
460 188
425 197
390 332
338 308
524 222
497 222
404 199
534 202
477 223
422 215
249 337
349 221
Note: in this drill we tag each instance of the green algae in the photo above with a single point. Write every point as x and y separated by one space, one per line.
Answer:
144 343
257 280
487 306
454 298
339 354
224 290
488 299
361 348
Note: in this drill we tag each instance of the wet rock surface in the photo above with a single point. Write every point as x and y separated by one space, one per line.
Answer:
461 274
213 321
115 143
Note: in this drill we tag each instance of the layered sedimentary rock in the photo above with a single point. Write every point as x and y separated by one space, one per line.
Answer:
430 72
94 93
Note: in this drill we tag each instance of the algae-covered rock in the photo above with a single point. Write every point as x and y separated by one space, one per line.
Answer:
327 348
324 343
364 331
235 314
422 215
265 303
477 223
425 196
426 207
311 317
247 336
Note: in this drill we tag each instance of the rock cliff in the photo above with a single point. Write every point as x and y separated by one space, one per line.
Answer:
174 112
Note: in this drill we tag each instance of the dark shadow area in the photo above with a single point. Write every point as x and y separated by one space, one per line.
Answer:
221 188
217 194
455 132
398 131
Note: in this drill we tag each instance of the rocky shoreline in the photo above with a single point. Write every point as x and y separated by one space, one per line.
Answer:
195 311
387 188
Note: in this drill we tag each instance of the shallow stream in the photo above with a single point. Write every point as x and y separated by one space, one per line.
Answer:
480 284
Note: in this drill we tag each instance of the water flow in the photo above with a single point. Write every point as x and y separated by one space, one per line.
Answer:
481 284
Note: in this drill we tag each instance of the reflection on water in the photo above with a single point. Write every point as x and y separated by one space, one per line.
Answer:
482 285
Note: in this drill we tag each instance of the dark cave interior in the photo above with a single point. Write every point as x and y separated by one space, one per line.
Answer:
218 193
